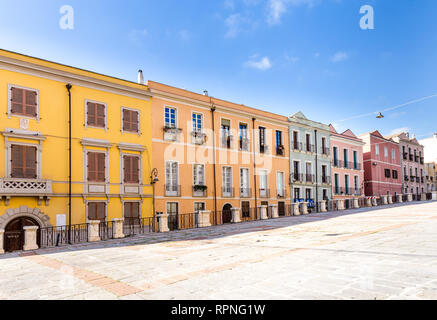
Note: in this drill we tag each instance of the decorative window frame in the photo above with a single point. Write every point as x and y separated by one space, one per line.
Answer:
99 201
10 114
176 115
124 147
248 178
89 145
140 206
26 135
204 172
86 115
178 177
139 121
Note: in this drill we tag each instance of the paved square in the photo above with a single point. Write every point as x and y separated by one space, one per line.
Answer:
385 253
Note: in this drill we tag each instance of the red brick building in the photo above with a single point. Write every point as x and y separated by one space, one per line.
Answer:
382 165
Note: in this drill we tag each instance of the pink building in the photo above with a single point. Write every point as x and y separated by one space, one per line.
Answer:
347 165
382 165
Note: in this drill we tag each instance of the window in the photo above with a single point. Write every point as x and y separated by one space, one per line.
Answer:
335 153
132 212
197 122
385 152
357 185
131 120
377 150
263 183
131 169
296 140
395 174
324 174
24 102
198 175
324 149
171 178
309 172
308 143
280 184
336 184
225 132
245 209
387 173
97 211
346 157
244 182
346 184
308 194
227 181
296 194
96 115
23 162
244 138
393 154
262 139
172 208
279 146
170 117
296 171
96 167
355 160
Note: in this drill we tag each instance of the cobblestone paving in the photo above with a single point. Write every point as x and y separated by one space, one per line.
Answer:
384 253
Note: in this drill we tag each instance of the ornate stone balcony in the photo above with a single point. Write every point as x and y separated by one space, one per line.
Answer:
25 186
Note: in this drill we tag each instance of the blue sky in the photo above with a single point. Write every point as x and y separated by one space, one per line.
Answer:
279 55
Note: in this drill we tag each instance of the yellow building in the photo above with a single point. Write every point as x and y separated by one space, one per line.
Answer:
110 146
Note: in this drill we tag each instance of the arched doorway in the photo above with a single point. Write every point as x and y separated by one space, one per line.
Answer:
14 233
227 213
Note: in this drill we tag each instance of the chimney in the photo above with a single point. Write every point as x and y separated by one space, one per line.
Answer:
435 135
205 92
140 77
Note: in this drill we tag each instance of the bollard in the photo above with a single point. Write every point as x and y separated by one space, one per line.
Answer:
400 198
374 201
340 204
203 218
323 206
30 238
356 203
296 209
410 197
423 197
304 207
390 199
163 222
434 195
93 231
368 202
117 225
236 215
275 214
384 200
263 212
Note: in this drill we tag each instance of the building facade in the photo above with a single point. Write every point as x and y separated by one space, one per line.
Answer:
412 163
214 155
431 176
347 165
382 165
430 148
310 160
110 146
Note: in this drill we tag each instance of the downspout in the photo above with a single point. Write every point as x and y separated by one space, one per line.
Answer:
214 161
254 162
317 172
69 86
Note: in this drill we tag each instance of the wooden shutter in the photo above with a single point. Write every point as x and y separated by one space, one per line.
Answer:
134 120
91 114
24 102
92 211
126 120
17 164
127 169
30 160
92 170
131 169
101 211
30 103
127 210
130 120
100 115
17 101
101 167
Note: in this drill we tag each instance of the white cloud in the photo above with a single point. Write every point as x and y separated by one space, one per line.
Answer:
340 56
400 130
236 24
261 64
277 8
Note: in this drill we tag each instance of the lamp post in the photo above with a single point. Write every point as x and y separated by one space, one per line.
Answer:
153 181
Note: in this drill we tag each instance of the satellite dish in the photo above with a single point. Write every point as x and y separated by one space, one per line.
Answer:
379 116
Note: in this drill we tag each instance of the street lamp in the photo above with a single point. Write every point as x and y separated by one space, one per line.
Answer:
153 180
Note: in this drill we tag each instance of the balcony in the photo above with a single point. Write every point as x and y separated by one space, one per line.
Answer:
405 155
357 192
264 192
226 141
416 158
337 163
280 150
281 193
325 151
200 190
245 192
407 178
198 137
422 160
310 178
297 146
263 148
171 190
297 177
309 147
227 192
244 144
352 165
417 179
411 157
343 191
171 134
326 180
25 186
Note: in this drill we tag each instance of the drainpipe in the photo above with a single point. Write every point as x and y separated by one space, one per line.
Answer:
317 172
254 161
214 162
69 86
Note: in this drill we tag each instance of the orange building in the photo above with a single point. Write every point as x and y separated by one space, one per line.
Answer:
216 155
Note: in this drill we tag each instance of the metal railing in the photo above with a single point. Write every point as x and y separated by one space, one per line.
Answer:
58 236
172 190
227 192
106 230
135 226
245 192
